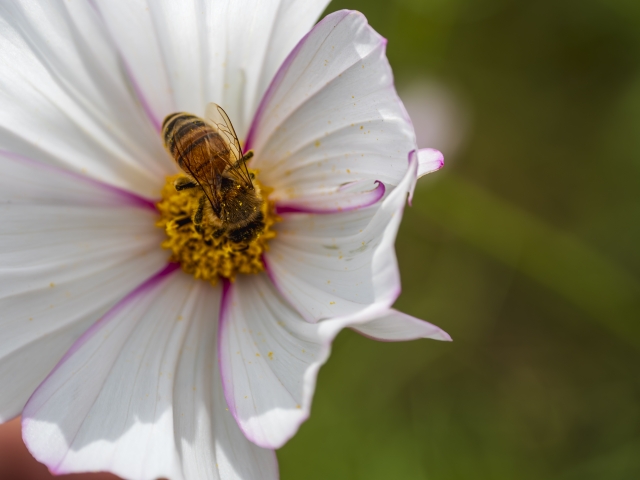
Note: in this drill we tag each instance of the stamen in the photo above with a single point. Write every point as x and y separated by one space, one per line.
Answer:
204 250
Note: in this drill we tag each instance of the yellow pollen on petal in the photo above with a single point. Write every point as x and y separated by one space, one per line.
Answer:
202 254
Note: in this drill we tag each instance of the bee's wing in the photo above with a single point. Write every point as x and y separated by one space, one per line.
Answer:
188 165
219 121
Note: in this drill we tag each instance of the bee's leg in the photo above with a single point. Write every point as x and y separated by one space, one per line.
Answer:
184 183
245 158
181 222
198 216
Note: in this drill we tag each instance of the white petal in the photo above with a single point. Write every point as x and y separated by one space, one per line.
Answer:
210 443
70 248
188 53
107 405
332 115
351 196
429 160
118 402
65 100
396 326
269 359
341 264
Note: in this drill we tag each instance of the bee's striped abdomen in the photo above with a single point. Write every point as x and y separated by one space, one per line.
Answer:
191 141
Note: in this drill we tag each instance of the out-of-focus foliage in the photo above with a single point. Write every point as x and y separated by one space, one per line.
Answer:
525 248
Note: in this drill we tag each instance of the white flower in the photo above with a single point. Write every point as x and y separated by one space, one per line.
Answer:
119 361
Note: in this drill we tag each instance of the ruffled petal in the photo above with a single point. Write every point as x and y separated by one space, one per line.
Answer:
269 358
332 115
341 264
138 394
65 100
70 248
185 54
396 326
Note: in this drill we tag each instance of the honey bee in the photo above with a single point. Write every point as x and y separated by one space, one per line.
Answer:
209 152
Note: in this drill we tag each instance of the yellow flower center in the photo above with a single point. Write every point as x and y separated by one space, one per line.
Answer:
202 250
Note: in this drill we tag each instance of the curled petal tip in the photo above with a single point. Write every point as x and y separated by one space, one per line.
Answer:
429 160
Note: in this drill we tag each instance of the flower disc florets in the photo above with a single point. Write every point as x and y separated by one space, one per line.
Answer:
207 254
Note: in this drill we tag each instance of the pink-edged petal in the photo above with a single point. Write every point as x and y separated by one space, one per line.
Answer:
341 264
269 358
65 101
210 444
429 160
182 55
107 405
138 394
332 114
70 248
343 199
395 326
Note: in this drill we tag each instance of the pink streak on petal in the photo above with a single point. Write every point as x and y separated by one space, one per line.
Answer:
95 328
227 383
405 114
280 74
126 196
127 300
358 200
144 103
155 121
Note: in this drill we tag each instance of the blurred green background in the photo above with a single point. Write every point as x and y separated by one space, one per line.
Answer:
525 248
